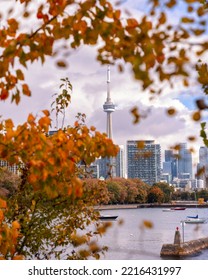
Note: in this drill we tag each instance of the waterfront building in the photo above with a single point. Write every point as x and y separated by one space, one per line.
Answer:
188 184
144 162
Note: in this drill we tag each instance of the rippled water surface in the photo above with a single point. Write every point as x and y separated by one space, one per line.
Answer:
130 240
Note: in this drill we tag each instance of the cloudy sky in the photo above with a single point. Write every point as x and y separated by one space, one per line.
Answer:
88 78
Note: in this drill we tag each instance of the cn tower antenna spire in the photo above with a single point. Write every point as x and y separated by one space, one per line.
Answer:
108 106
108 83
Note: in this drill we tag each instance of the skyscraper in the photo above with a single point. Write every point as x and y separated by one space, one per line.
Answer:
144 163
170 165
185 162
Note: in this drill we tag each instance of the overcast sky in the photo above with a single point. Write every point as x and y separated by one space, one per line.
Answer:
88 78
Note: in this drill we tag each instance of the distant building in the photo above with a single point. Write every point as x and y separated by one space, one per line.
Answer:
202 167
91 171
185 162
171 164
104 166
13 168
52 132
144 163
120 165
182 184
166 178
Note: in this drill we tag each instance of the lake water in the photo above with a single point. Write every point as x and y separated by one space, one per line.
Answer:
130 240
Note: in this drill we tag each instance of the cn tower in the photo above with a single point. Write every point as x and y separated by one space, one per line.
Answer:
109 107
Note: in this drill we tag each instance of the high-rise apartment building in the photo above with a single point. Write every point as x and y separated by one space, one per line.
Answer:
144 162
185 167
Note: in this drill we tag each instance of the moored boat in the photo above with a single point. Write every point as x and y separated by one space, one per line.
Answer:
178 208
168 210
195 220
108 217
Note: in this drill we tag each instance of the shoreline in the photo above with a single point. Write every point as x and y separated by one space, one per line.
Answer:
150 205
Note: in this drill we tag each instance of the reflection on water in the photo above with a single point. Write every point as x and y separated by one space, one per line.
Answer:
131 240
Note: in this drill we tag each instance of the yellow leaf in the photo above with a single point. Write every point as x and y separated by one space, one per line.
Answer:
136 115
162 18
171 111
61 63
147 224
192 138
187 20
196 116
20 75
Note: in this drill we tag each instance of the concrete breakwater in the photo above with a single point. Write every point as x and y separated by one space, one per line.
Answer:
184 249
179 249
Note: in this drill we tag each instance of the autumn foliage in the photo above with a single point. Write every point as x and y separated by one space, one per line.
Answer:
50 181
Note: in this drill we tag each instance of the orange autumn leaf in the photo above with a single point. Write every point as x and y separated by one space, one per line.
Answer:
44 122
3 203
26 90
30 118
18 257
46 112
132 22
15 225
1 216
4 94
147 224
20 75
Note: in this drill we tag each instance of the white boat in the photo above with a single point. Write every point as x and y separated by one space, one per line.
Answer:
168 210
195 220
